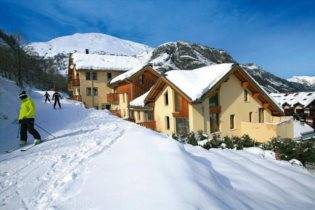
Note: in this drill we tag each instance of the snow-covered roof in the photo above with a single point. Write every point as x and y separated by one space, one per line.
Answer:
301 128
194 83
127 74
104 62
139 101
304 98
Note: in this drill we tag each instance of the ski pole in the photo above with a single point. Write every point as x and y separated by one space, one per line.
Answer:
44 130
18 134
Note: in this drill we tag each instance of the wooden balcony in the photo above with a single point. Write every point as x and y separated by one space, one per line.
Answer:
75 82
113 98
215 109
148 124
116 112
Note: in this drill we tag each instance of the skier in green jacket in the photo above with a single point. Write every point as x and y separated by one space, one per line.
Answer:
26 119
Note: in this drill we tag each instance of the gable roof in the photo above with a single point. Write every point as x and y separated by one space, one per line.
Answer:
196 84
132 73
292 99
139 101
104 62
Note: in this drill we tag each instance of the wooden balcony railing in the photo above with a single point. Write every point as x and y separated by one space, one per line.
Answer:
113 98
75 82
148 124
116 112
215 109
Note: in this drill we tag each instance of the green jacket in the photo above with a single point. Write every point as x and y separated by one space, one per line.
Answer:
27 109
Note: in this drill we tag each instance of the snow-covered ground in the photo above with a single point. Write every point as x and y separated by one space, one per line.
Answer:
100 161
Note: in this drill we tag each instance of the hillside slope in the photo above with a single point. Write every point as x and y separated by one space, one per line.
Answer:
100 161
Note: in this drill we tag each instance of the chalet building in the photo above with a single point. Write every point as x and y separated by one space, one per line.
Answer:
89 75
127 88
221 99
301 105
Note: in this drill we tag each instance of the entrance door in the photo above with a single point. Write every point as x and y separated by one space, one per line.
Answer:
214 122
182 126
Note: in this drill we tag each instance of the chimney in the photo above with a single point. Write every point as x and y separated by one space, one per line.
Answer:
86 51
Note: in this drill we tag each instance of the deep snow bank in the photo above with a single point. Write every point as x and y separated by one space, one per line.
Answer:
102 162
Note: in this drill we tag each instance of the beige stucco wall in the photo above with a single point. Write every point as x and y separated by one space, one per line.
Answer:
265 131
161 111
231 100
139 116
123 105
100 83
196 117
231 97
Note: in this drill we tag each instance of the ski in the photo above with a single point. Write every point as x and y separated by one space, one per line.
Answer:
33 145
16 148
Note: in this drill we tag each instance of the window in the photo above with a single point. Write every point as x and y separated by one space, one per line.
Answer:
214 101
250 116
177 102
149 116
245 95
109 76
87 76
141 79
95 91
167 119
166 98
232 122
88 91
94 75
139 115
261 115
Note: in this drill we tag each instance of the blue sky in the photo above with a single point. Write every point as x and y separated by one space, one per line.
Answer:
276 34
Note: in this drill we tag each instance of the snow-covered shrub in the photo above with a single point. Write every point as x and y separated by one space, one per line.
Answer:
288 149
191 139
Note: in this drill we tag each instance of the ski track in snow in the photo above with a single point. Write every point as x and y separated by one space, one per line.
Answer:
99 161
62 170
63 158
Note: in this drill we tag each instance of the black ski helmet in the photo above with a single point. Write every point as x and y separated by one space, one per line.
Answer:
22 95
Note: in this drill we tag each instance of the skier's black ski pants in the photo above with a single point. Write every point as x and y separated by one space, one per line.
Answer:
28 125
57 101
47 99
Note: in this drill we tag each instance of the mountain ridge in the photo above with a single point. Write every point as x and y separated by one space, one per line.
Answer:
176 55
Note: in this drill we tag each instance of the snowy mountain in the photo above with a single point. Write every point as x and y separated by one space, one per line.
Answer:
186 55
99 161
171 55
97 43
305 80
273 83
